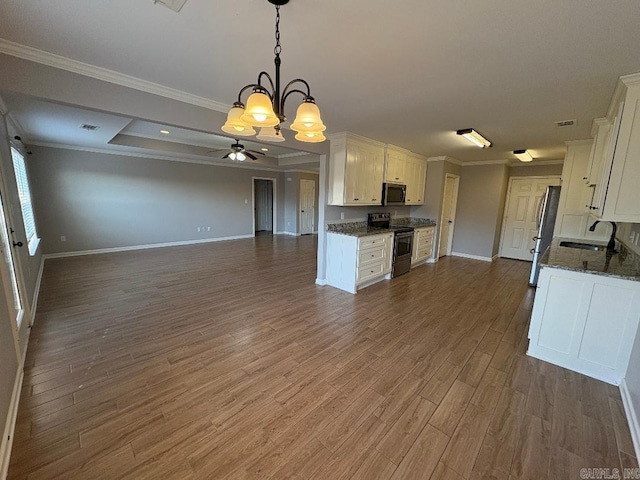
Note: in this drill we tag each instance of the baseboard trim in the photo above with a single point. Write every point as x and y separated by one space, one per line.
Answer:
632 418
432 260
473 257
143 247
321 281
10 424
293 234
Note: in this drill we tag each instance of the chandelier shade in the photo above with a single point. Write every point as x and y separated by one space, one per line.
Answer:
259 111
270 134
265 105
308 118
310 137
235 126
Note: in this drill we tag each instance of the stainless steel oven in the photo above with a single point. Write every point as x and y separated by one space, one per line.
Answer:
402 250
402 243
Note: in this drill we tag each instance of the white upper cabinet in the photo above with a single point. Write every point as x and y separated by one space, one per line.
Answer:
416 178
355 170
358 167
408 168
601 131
395 165
622 197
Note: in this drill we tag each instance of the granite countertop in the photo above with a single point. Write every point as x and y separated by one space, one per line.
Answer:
624 265
360 229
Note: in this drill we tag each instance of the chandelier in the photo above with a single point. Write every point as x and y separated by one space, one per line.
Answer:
265 106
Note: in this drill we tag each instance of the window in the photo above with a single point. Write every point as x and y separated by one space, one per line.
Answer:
24 193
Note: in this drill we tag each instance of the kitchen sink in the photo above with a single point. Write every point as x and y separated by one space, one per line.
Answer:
584 246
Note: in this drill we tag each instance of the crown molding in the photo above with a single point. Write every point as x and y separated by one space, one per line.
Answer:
344 136
64 63
169 158
444 158
486 162
586 141
298 170
538 163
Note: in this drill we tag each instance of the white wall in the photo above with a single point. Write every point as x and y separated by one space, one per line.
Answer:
101 201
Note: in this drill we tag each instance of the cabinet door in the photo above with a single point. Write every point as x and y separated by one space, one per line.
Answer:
622 202
603 176
417 233
363 175
395 166
416 178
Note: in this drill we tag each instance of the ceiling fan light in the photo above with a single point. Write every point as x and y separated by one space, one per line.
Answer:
234 124
259 111
523 155
241 157
270 134
310 137
308 118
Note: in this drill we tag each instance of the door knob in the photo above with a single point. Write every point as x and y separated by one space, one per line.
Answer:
532 251
17 244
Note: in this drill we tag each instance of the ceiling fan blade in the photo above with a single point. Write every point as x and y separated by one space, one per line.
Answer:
250 155
255 151
226 156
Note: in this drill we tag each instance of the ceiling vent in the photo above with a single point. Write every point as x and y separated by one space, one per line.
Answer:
91 128
566 123
175 5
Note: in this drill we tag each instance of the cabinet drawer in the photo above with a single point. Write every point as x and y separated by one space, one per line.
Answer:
373 254
373 241
372 270
424 253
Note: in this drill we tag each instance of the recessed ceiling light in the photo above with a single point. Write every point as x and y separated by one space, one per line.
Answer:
165 132
264 149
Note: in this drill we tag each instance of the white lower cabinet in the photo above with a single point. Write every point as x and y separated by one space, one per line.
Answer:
422 245
356 262
585 322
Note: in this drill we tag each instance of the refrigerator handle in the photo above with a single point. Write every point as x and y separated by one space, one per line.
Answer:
539 211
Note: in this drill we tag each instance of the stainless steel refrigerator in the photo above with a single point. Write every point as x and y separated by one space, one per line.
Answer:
545 221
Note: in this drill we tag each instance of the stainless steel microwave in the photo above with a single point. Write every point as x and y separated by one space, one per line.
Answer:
393 193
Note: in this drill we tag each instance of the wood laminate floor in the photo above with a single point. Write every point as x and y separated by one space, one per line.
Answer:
225 360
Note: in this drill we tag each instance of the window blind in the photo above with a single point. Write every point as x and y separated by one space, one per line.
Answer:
24 193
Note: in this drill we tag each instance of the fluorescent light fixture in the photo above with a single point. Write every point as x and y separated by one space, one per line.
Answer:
474 137
175 5
523 155
165 132
264 149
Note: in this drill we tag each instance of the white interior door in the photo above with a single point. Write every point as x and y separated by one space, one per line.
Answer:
8 272
519 224
447 221
307 206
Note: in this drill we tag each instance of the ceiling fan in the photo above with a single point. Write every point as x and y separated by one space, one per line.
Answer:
238 152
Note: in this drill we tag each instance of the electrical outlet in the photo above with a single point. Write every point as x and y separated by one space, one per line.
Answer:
63 238
341 215
637 237
198 229
208 229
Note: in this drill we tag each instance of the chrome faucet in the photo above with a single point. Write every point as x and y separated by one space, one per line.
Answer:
611 246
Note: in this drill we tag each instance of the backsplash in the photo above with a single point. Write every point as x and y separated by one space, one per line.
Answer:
625 230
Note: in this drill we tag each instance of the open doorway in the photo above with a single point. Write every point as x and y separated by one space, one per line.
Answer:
448 218
264 209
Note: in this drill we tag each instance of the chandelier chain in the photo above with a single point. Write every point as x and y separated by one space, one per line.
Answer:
278 47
